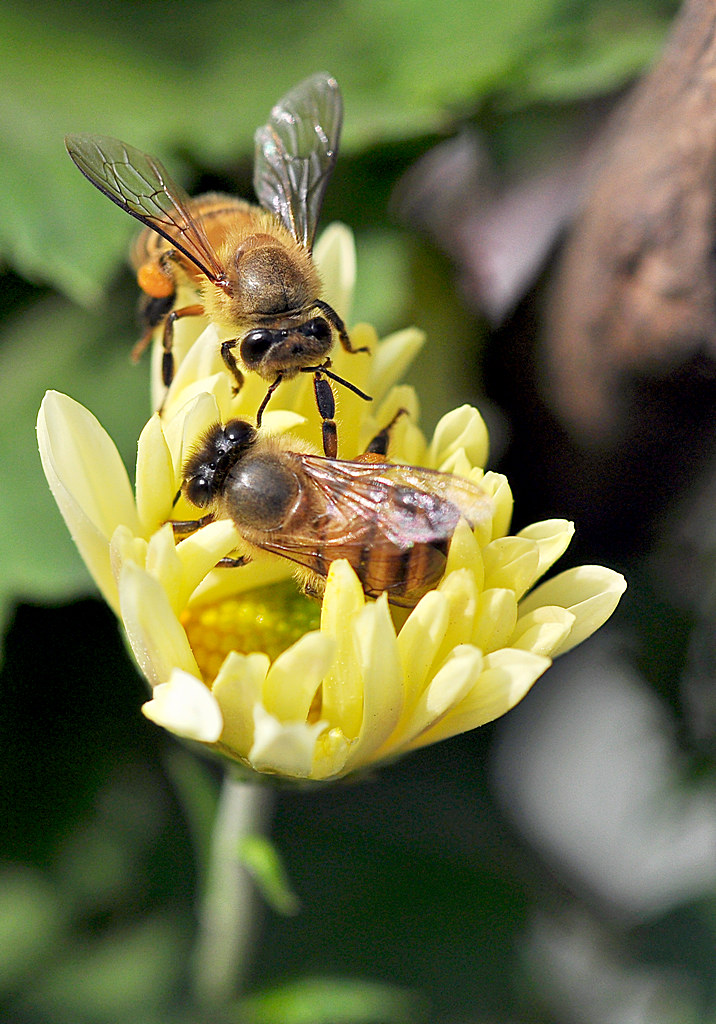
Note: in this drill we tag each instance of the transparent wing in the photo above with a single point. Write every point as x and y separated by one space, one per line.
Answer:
140 185
406 505
296 152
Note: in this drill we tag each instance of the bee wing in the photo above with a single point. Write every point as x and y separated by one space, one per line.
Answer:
405 505
296 152
141 186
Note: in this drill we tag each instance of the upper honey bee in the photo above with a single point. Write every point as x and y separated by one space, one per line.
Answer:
252 266
393 523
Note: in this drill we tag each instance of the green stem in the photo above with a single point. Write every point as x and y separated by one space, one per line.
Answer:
226 915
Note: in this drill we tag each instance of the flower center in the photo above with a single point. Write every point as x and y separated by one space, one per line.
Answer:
267 619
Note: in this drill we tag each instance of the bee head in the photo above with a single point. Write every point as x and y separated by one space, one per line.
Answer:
218 451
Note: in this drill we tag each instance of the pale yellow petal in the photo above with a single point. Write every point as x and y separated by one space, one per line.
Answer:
164 565
420 640
155 634
335 257
450 685
281 421
511 562
237 688
283 749
295 676
465 553
392 358
125 547
461 428
589 592
461 593
543 630
330 755
184 430
88 481
497 486
156 477
343 601
506 677
184 706
198 554
495 619
552 538
382 680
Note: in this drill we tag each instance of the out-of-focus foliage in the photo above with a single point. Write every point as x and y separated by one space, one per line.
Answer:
418 899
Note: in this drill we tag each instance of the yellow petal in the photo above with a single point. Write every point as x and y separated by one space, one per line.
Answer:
335 257
419 641
462 428
184 706
382 680
495 619
497 486
198 554
343 601
465 553
450 685
295 676
506 677
88 481
511 562
461 593
552 538
392 358
543 630
184 430
237 688
164 565
330 755
589 592
155 634
283 749
156 478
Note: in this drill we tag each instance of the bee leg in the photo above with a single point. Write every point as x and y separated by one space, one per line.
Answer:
230 363
326 402
232 563
168 338
185 527
265 402
379 444
338 325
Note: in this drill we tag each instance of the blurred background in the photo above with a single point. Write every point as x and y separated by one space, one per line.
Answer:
520 190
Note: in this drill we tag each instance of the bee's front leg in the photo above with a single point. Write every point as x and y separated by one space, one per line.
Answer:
230 363
185 527
168 338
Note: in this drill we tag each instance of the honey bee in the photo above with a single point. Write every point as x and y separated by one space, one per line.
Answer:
251 265
393 523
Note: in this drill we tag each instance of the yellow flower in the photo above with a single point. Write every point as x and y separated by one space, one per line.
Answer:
240 659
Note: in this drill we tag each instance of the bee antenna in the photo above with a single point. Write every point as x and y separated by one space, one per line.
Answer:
338 380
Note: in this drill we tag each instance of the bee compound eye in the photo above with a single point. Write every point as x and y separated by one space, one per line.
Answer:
256 344
238 434
199 491
317 327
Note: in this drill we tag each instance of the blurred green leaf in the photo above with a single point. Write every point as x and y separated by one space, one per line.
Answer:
333 1001
31 924
128 974
261 859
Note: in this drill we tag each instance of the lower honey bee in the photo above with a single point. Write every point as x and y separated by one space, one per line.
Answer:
393 523
251 266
